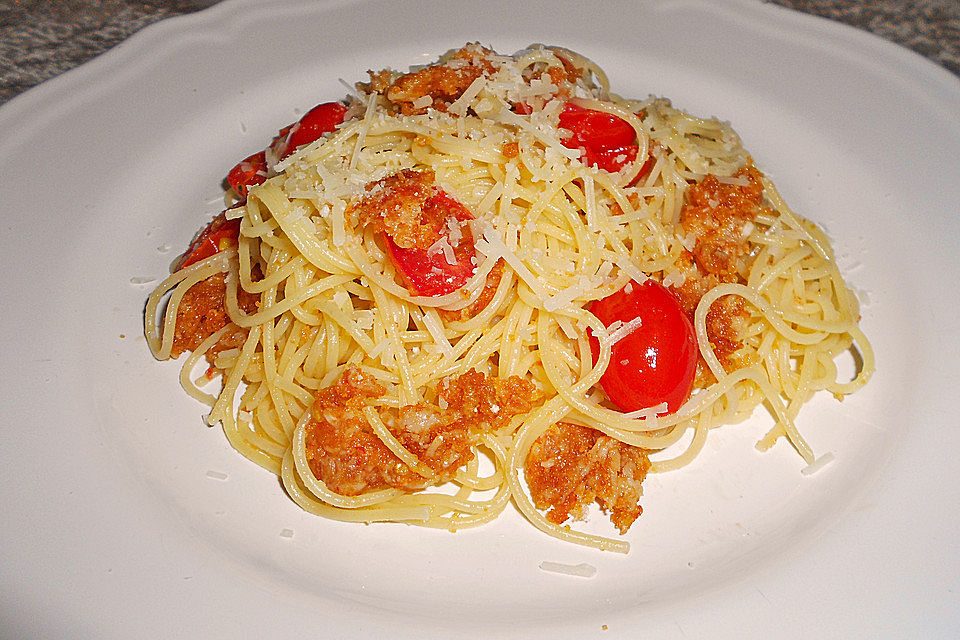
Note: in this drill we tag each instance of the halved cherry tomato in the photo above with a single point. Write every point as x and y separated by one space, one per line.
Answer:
657 361
211 240
612 159
322 119
252 170
609 142
431 274
249 172
595 129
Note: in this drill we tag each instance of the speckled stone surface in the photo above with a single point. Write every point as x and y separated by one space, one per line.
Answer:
929 27
40 39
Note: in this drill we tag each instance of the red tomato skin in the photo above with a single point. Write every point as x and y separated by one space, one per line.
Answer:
209 241
609 142
655 363
431 275
612 159
248 172
596 129
252 170
322 119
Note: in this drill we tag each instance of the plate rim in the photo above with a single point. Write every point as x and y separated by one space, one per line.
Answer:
140 42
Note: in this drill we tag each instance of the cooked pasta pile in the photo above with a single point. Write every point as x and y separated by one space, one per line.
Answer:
404 327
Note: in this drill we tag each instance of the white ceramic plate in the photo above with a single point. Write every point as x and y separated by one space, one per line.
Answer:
122 516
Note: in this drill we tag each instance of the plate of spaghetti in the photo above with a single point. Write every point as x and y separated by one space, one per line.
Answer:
504 331
496 257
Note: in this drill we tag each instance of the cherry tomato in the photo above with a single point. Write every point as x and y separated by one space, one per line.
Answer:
431 274
249 172
609 142
322 119
252 171
595 129
219 232
657 361
611 159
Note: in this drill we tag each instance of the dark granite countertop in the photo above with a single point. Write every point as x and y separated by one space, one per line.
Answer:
40 39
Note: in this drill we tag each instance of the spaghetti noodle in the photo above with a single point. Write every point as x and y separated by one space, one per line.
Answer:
403 319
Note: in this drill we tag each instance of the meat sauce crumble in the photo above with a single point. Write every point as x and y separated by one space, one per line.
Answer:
441 84
405 206
202 312
569 467
718 214
350 459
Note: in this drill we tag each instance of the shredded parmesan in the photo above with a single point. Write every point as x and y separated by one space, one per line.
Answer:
497 248
582 570
432 322
625 329
818 464
628 267
460 105
338 224
423 102
567 296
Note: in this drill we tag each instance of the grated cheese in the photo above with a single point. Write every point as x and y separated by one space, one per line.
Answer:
443 246
628 267
342 299
423 102
365 126
674 279
460 105
566 297
625 329
582 570
432 322
496 247
379 348
338 224
818 464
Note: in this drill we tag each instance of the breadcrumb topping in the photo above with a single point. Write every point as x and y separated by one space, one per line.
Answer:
569 467
716 214
345 453
404 206
435 86
202 312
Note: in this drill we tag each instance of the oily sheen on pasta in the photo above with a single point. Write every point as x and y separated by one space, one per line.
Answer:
489 281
